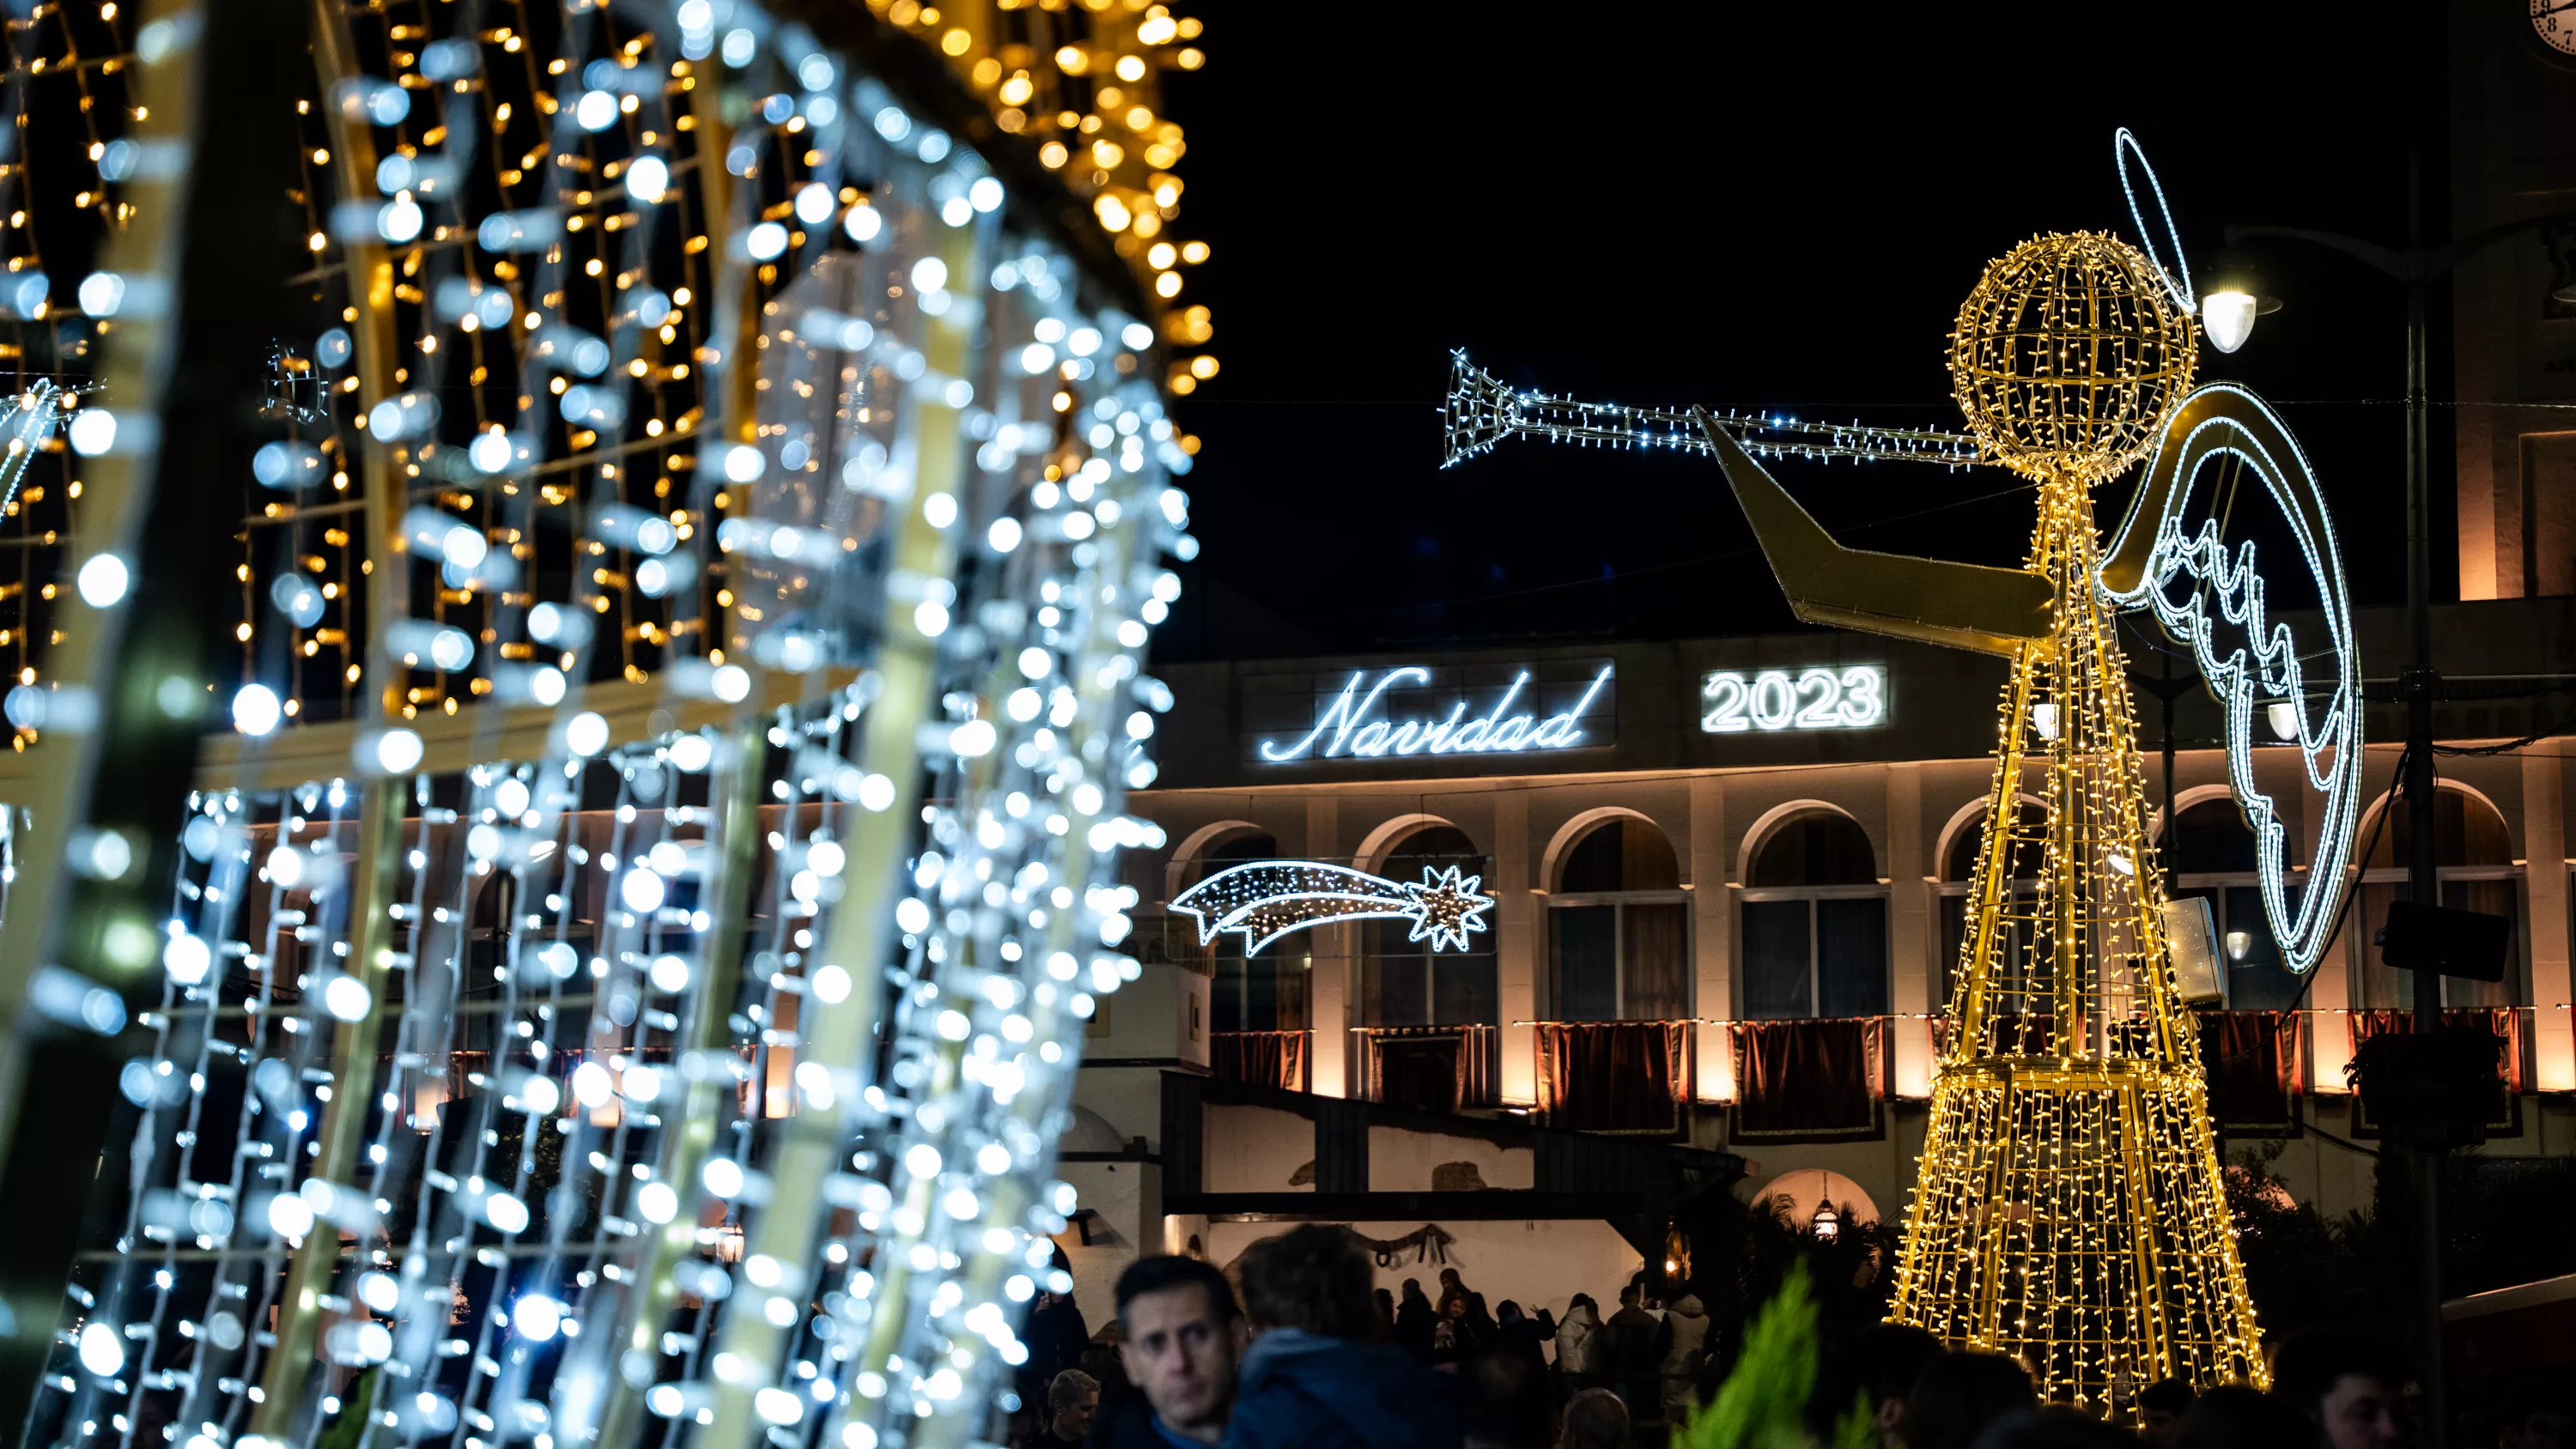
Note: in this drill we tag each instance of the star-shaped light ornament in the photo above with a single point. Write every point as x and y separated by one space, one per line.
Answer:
1446 908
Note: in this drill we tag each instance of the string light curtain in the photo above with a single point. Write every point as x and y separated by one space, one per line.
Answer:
2067 1207
629 966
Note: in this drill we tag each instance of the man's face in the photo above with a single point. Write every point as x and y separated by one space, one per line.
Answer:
1073 1421
1182 1357
2156 1427
2360 1412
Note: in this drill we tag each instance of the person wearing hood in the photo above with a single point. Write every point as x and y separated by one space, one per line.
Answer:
1414 1320
1312 1378
1686 1329
1578 1344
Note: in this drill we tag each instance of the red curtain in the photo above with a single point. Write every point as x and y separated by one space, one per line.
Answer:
1608 1076
2504 1021
1810 1079
1477 1086
1262 1058
2252 1061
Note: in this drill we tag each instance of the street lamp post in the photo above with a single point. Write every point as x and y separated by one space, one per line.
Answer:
2415 265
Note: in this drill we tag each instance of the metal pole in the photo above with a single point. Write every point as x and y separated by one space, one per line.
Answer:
2423 884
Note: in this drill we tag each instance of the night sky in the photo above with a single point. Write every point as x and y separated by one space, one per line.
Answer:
1751 206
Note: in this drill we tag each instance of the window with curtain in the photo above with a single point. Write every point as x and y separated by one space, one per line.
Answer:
1406 983
1265 992
1618 928
2020 905
1814 925
2211 851
2475 854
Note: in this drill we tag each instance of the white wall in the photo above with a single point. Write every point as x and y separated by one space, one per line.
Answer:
1123 1194
1402 1161
1535 1264
1256 1149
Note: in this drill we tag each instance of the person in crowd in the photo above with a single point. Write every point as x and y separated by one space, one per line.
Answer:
1510 1404
1874 1369
1578 1344
1451 1340
2054 1426
1414 1317
1959 1395
1311 1378
1685 1349
2532 1416
2235 1416
1481 1328
1072 1396
1634 1357
1520 1335
2160 1409
1384 1302
1594 1419
1451 1286
2352 1388
1184 1337
1056 1337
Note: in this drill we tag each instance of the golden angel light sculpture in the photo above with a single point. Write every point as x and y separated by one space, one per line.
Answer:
2068 1208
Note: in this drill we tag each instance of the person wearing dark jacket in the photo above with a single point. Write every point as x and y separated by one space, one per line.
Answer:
1312 1379
1635 1360
1056 1338
1414 1321
1520 1335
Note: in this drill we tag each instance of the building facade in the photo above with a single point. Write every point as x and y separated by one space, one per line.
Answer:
1729 878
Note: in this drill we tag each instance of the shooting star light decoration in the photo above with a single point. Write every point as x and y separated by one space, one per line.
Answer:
1268 899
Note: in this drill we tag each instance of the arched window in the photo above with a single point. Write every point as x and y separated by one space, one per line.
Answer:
2017 920
2477 873
1265 992
2211 852
1815 923
1618 928
1404 982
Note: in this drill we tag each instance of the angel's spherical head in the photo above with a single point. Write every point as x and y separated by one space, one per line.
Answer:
2068 355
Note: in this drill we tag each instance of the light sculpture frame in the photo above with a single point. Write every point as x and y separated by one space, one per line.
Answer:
681 1049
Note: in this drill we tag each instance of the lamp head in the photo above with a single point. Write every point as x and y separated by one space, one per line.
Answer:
2234 299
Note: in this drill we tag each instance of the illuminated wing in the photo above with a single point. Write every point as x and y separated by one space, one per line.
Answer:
1268 899
2161 560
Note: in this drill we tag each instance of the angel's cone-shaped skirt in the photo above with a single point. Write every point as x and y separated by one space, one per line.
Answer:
2068 1209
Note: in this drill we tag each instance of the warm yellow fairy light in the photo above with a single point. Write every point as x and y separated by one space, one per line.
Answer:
2068 1207
1083 82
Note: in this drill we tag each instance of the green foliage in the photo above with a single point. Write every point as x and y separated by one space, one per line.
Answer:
347 1429
1763 1403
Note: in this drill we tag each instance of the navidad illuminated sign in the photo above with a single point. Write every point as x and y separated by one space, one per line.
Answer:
1372 717
1818 698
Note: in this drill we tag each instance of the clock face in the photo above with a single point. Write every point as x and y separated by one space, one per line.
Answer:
2555 22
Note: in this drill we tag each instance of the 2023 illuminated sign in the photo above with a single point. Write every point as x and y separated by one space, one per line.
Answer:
1817 698
1358 723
